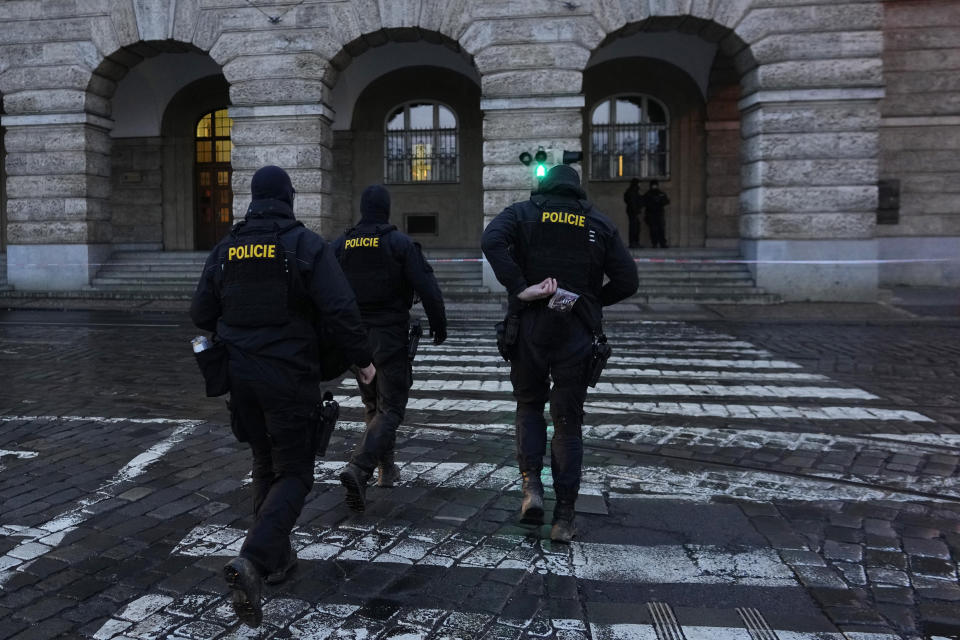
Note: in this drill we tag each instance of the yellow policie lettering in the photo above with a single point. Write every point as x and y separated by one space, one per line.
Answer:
252 251
366 241
564 217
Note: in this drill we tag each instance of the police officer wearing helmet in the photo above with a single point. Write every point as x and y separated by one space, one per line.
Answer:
556 239
385 268
263 288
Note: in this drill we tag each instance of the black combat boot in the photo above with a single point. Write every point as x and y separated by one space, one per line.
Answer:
354 479
531 509
387 471
562 530
244 582
280 575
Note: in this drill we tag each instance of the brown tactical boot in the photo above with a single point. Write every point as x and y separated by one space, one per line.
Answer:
354 479
387 471
531 509
562 530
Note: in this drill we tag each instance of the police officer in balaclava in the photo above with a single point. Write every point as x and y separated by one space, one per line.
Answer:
263 289
386 269
551 252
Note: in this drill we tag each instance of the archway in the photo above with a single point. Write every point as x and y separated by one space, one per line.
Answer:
682 67
408 116
144 88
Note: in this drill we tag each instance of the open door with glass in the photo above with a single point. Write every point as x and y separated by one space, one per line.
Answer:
212 179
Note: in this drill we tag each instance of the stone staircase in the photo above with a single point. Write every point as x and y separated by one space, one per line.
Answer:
157 274
667 276
696 275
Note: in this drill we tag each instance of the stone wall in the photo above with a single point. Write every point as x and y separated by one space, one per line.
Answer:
811 74
3 197
920 140
136 199
722 155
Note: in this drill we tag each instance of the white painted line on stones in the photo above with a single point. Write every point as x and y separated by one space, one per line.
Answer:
627 564
646 632
201 615
23 455
692 409
617 359
48 535
612 372
172 421
657 482
659 390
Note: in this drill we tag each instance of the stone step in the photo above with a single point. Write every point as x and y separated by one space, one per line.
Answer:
698 288
704 276
707 298
136 281
667 267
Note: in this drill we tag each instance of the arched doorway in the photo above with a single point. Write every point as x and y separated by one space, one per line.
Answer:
213 193
145 87
686 71
408 116
418 131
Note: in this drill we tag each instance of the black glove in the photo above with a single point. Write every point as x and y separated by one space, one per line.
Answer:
439 334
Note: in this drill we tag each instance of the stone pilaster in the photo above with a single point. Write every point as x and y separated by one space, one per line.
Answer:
514 125
810 191
58 188
296 138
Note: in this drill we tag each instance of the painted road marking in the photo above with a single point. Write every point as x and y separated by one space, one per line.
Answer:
41 539
692 409
617 359
626 564
21 455
658 482
503 368
201 615
659 390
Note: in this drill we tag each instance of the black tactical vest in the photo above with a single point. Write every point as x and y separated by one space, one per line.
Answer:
374 275
558 245
257 278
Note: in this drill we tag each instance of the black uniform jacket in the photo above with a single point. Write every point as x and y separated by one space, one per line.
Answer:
503 245
290 349
415 274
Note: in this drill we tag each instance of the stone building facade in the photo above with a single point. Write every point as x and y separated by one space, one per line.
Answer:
821 138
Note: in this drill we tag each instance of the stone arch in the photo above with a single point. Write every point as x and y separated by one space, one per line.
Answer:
132 90
697 66
374 73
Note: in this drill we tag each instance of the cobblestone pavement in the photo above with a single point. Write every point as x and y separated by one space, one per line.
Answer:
741 481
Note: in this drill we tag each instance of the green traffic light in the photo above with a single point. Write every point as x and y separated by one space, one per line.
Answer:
541 170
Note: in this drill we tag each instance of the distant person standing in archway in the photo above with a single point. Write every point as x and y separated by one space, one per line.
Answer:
634 201
654 202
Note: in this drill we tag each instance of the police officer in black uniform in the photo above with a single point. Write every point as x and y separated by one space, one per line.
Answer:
555 239
264 288
385 268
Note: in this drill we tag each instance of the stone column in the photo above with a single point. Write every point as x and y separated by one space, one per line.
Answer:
297 138
810 191
58 188
512 126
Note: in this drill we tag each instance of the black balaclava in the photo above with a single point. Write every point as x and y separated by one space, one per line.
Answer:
375 204
272 183
562 180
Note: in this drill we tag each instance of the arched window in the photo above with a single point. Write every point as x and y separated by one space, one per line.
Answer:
420 144
213 175
629 138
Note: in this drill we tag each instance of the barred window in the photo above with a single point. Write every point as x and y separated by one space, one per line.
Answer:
421 144
629 138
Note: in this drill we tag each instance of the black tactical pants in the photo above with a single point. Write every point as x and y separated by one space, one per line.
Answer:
553 346
656 220
277 422
385 398
633 229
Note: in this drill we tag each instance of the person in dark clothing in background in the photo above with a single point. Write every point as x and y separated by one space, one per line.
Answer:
385 268
634 202
654 202
263 289
555 240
